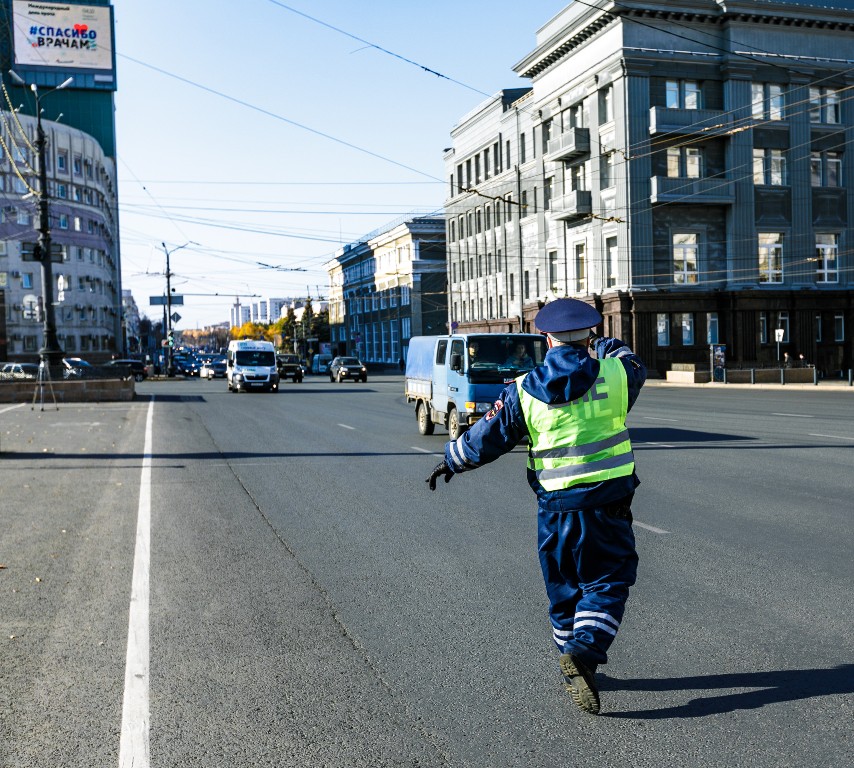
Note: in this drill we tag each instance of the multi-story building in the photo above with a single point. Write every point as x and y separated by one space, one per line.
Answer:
388 287
84 228
81 189
130 323
682 166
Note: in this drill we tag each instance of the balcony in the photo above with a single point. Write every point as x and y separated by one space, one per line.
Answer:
704 122
573 205
571 144
665 189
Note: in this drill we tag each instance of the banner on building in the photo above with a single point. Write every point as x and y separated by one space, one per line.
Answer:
63 36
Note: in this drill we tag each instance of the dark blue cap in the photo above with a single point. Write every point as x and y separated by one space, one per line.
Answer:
567 315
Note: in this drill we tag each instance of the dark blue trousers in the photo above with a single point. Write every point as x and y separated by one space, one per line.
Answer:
589 562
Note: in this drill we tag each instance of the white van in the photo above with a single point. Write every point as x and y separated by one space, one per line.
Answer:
251 365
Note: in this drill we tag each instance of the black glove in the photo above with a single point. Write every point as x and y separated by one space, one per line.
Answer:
441 470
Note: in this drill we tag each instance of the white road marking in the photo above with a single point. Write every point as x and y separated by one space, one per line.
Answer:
835 437
425 450
346 427
76 424
650 527
658 418
794 415
134 743
659 445
11 407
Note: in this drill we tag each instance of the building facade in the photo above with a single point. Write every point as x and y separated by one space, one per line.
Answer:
387 288
82 194
84 229
708 206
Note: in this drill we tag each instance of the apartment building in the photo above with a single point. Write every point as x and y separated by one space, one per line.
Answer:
682 166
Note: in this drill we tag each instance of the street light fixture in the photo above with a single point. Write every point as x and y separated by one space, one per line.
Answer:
50 353
169 369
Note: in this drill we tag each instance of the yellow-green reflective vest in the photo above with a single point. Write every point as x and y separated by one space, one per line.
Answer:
585 441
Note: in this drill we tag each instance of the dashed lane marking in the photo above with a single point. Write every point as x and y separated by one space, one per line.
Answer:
794 415
834 437
345 426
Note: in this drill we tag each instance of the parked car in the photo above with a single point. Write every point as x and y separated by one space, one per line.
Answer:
136 367
289 367
320 363
76 368
347 368
19 371
213 369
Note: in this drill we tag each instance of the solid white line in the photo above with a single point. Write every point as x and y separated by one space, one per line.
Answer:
133 747
346 427
11 407
794 415
658 418
650 527
835 437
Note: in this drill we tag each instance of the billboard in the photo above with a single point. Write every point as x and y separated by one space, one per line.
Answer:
59 35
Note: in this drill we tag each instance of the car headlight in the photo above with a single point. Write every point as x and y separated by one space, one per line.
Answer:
478 407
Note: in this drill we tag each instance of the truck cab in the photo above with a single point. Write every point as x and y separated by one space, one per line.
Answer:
454 380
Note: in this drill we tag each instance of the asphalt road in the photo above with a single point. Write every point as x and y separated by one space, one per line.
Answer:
313 604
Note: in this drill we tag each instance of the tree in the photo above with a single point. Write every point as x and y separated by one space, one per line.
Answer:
254 331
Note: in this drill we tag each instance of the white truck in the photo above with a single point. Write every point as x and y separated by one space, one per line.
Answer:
251 365
454 380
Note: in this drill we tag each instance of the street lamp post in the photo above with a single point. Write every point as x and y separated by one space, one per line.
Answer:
169 369
50 353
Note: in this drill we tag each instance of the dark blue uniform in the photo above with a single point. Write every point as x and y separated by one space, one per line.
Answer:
586 545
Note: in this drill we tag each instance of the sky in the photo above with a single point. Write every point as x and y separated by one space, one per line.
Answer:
255 138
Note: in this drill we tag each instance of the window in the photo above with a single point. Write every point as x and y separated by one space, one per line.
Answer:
78 166
613 260
522 149
783 324
526 285
685 258
770 257
23 217
546 134
548 187
763 327
663 326
826 252
824 105
607 177
767 101
61 191
686 321
553 270
63 221
683 94
486 164
712 328
606 105
769 167
27 280
62 162
580 268
685 162
825 169
839 327
577 177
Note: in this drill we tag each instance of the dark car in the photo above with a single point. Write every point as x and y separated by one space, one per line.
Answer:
289 367
347 368
136 368
76 368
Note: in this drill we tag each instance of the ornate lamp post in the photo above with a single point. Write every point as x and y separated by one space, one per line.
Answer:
50 353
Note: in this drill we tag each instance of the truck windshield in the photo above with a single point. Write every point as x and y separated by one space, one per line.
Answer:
251 357
498 357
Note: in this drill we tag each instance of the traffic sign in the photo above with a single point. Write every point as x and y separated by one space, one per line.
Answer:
159 301
779 334
175 317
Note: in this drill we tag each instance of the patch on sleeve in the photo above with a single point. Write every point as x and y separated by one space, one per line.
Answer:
496 407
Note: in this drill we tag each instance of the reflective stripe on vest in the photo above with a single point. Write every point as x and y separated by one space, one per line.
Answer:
585 441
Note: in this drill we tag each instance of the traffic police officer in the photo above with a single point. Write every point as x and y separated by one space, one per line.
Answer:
581 467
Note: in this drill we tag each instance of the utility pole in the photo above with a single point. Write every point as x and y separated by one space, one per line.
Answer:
170 371
50 353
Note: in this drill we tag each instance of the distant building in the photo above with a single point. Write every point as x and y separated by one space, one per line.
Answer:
130 323
387 288
695 196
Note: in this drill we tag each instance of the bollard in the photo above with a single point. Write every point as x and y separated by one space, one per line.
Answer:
815 376
752 375
851 377
782 376
724 375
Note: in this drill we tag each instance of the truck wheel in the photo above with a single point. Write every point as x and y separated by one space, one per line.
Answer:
425 423
455 429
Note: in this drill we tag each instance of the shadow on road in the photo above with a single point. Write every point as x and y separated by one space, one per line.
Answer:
774 687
